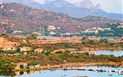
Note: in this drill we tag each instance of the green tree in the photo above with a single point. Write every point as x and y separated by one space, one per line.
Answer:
22 66
103 40
32 36
84 39
11 67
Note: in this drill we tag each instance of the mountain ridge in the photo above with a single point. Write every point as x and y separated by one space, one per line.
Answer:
70 9
84 4
23 18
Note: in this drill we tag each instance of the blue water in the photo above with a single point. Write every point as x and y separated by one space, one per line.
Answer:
73 73
108 52
103 52
78 73
109 38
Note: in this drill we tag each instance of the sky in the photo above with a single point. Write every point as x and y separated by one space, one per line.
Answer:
110 6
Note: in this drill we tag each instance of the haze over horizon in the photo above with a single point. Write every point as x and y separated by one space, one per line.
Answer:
110 6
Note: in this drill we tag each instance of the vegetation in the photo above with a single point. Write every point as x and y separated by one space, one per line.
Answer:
113 32
45 58
100 45
32 36
3 35
36 58
6 66
29 20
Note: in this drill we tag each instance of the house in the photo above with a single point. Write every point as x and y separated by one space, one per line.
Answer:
94 38
120 27
7 45
9 48
37 33
17 32
92 30
51 27
38 50
18 65
52 33
96 30
121 38
23 49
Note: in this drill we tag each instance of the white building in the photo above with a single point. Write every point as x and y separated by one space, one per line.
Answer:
51 27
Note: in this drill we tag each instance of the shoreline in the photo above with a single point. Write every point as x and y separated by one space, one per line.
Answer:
85 64
67 66
77 64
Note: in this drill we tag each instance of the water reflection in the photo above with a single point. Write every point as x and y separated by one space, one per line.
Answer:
90 71
13 73
5 73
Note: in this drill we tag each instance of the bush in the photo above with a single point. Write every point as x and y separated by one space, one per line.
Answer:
22 66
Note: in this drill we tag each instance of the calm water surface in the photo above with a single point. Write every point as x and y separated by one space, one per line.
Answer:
77 73
108 52
103 52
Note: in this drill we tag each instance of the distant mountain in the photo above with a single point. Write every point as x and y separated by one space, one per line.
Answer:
87 4
48 1
78 10
27 19
29 3
84 4
59 4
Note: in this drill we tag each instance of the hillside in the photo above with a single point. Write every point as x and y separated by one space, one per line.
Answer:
23 18
78 9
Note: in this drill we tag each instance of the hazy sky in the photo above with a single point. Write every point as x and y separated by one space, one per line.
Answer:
111 6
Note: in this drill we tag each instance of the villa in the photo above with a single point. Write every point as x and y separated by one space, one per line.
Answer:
7 45
39 50
18 65
94 38
23 49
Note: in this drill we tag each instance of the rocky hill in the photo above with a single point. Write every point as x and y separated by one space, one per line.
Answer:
84 4
78 10
23 18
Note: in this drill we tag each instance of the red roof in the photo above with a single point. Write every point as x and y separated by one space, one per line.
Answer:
21 63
